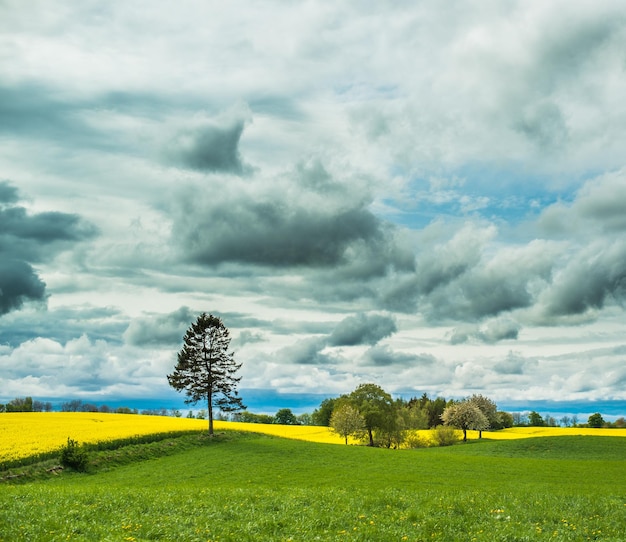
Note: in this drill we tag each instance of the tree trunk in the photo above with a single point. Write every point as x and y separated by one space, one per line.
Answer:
210 410
369 431
464 435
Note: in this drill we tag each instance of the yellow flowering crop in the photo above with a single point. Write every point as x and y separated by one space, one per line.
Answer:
528 432
312 433
23 434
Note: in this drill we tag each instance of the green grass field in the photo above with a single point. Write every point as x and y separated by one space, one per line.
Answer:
256 487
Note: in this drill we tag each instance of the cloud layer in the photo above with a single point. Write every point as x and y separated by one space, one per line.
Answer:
428 198
26 239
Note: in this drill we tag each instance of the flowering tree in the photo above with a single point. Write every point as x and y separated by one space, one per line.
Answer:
465 415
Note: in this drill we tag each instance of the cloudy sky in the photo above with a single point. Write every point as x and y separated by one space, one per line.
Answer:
430 196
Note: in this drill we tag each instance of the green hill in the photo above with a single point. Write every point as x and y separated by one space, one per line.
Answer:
256 487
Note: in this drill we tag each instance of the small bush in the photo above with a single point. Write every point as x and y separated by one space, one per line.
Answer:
445 435
74 456
415 440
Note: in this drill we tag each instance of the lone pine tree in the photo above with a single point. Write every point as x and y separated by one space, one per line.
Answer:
205 370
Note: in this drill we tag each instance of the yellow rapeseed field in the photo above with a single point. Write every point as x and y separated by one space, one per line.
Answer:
23 434
312 433
527 432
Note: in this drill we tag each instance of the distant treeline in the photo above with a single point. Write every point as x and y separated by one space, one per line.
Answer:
27 404
427 410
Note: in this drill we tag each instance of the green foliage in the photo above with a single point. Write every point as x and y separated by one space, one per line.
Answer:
535 419
489 409
20 404
377 408
74 456
249 417
445 435
285 417
346 421
595 420
505 420
431 409
414 417
321 415
278 490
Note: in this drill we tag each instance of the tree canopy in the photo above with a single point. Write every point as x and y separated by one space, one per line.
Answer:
346 421
375 405
489 409
595 420
285 417
465 415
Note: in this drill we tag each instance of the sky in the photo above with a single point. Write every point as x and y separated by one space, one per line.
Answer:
428 196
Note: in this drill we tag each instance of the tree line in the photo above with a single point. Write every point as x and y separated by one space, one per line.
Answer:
370 414
27 404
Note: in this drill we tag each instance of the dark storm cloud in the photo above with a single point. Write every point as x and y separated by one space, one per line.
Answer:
18 283
362 329
602 202
598 205
306 352
460 280
439 263
481 295
303 237
351 331
303 217
594 276
210 147
162 329
514 364
492 332
40 112
246 337
384 356
43 228
26 238
37 236
99 323
31 109
8 193
274 233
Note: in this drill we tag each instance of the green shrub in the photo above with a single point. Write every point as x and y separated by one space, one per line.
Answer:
415 440
445 435
74 456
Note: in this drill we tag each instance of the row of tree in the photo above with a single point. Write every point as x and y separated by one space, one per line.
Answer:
26 404
371 414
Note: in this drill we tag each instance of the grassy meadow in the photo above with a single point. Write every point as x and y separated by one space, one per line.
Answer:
242 485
